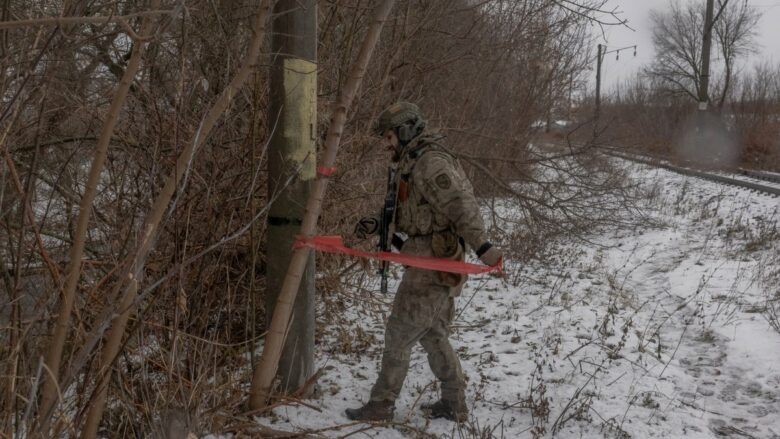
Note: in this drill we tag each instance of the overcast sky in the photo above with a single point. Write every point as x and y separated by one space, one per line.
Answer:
638 14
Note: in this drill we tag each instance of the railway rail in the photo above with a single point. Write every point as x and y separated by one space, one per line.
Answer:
719 178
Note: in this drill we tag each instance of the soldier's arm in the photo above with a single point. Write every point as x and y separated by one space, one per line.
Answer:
451 195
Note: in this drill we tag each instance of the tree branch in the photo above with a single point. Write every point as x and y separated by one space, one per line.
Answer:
61 21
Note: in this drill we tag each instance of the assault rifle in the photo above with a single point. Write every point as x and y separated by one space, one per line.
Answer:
385 219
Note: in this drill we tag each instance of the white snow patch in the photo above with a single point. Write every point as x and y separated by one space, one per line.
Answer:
646 332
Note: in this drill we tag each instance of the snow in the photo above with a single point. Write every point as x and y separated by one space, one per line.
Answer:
649 331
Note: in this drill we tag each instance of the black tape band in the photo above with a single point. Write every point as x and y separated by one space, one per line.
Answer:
483 249
280 221
397 241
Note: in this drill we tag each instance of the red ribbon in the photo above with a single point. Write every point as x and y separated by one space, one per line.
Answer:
334 244
326 171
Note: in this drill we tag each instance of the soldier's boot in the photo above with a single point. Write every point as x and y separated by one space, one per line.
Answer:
446 409
373 411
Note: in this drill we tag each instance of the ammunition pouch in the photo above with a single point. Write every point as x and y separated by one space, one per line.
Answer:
447 245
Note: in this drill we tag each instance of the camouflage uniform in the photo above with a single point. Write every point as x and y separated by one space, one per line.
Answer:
438 211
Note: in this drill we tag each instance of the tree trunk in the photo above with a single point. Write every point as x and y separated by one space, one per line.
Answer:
265 371
726 84
113 342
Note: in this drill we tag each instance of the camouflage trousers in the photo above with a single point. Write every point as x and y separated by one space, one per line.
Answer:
422 312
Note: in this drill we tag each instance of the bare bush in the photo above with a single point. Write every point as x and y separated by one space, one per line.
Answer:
484 72
678 36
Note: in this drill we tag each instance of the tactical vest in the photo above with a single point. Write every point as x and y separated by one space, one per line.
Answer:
414 215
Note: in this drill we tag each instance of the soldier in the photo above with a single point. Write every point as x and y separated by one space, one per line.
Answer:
437 210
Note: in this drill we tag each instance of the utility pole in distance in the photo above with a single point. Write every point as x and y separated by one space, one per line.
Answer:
293 118
599 59
706 47
602 50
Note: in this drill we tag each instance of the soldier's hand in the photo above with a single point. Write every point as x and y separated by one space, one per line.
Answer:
490 255
366 227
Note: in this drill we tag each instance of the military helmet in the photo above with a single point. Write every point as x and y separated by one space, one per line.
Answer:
403 117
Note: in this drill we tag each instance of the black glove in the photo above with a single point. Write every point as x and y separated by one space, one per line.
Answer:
489 255
366 227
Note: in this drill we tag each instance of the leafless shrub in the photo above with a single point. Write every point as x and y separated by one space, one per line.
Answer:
484 73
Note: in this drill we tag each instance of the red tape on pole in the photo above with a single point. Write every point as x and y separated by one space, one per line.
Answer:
334 244
326 171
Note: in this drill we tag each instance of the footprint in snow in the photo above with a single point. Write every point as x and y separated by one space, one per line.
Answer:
749 402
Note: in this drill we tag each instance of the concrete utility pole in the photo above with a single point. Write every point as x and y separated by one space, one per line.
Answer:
292 150
261 392
599 59
704 80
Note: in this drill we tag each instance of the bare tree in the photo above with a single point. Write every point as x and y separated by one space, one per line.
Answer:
735 33
678 36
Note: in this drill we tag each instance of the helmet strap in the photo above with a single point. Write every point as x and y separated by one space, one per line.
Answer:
402 133
407 131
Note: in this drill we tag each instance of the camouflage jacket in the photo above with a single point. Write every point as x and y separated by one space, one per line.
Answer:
435 196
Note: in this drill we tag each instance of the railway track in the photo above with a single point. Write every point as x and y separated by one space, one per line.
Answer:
719 178
761 175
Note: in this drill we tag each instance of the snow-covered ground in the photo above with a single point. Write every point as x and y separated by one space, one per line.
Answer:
651 331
